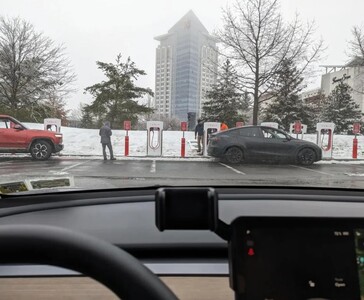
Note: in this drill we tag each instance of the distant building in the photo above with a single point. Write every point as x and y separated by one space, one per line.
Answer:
310 95
186 67
353 73
314 98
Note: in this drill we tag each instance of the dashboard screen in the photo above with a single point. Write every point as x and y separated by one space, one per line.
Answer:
359 247
298 262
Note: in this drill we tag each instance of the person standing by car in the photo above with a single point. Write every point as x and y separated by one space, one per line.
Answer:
199 135
105 133
223 126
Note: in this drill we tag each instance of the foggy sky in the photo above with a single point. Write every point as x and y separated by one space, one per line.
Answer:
98 30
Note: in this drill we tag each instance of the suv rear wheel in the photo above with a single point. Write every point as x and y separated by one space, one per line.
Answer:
234 155
306 157
41 150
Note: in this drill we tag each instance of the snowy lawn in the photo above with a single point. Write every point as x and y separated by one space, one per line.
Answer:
78 141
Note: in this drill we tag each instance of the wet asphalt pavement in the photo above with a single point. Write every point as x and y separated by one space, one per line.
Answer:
97 173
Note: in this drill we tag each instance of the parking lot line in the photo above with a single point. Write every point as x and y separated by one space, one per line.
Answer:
4 163
311 170
233 169
153 167
75 165
354 174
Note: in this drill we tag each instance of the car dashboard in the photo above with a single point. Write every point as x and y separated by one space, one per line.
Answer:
283 243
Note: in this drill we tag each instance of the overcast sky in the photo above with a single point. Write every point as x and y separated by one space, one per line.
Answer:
99 30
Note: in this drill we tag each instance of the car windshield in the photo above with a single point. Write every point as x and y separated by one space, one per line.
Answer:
125 94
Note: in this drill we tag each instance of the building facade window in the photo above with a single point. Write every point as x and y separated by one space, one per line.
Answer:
183 59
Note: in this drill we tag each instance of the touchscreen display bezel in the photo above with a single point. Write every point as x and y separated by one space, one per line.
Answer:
239 225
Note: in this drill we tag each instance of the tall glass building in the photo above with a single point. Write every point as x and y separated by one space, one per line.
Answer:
186 67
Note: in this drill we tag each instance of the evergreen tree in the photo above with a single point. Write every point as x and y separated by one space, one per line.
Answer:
340 108
115 98
225 102
315 104
87 120
287 107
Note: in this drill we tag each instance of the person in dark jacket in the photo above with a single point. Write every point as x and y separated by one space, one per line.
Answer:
105 133
199 134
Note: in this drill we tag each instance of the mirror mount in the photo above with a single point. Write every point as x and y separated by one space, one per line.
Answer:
183 208
18 127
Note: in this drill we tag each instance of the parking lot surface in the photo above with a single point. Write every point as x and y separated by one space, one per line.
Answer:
90 173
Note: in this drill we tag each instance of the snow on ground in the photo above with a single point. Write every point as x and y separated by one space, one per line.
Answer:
79 141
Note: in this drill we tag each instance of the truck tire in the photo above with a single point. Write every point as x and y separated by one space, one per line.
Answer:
41 150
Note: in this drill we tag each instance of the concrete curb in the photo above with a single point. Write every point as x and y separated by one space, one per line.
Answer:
170 158
143 158
187 157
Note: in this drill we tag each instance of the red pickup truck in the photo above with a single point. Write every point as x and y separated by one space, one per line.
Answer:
17 138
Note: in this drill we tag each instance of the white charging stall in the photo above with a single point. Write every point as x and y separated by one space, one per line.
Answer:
52 124
154 138
301 134
325 138
270 124
208 129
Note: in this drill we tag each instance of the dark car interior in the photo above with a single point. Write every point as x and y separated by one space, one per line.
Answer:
185 243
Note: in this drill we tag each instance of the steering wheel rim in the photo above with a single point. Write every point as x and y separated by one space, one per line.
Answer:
116 269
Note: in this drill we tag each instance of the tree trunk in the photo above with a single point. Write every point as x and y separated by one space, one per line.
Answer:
256 91
255 108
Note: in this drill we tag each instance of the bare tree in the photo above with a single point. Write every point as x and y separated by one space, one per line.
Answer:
357 44
31 66
356 55
76 113
258 41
